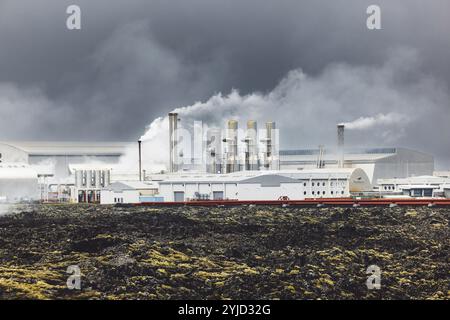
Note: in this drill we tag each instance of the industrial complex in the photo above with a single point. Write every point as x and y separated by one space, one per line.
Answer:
232 166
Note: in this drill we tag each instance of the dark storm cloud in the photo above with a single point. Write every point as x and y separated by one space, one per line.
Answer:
136 60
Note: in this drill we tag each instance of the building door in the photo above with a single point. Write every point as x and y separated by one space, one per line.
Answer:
178 196
218 195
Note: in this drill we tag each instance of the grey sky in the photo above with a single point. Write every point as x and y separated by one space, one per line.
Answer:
138 59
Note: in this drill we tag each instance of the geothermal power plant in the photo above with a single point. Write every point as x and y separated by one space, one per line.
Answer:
241 163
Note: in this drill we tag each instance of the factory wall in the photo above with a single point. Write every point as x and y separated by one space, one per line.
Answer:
254 191
405 163
18 182
13 190
421 186
125 196
298 190
61 163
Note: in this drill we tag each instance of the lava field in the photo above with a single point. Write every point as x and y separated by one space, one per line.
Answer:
246 252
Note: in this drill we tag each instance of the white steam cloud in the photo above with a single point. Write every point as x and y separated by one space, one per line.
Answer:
396 96
364 123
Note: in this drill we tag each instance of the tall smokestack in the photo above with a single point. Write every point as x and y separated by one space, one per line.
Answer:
140 159
251 152
214 150
340 144
173 156
270 127
232 146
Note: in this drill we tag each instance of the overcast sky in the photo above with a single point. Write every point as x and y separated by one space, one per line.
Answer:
136 60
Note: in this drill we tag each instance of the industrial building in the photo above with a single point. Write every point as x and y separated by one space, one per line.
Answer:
89 181
130 192
378 163
226 151
18 181
233 164
48 168
259 150
416 187
59 154
266 185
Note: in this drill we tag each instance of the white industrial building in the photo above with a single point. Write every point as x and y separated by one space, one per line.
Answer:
89 181
416 187
249 166
265 185
18 182
52 166
378 163
130 192
60 154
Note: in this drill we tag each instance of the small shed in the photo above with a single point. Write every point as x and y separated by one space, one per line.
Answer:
129 192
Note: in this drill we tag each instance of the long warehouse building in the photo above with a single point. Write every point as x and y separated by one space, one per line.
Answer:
265 185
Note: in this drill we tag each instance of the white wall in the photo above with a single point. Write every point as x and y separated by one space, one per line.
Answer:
128 196
254 191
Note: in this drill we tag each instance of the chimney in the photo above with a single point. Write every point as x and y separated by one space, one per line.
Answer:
270 127
173 156
232 146
251 152
340 144
140 159
214 150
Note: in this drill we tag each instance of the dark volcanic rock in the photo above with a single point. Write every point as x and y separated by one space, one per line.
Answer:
221 253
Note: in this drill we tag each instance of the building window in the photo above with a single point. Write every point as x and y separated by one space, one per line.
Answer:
304 192
332 192
304 184
312 184
342 192
323 184
313 192
323 192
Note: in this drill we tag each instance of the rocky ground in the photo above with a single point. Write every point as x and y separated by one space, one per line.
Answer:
224 253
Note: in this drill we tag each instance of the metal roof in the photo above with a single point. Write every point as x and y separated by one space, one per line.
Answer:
52 148
419 180
349 151
131 185
89 166
249 176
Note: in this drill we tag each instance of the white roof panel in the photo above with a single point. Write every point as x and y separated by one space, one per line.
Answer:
71 148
